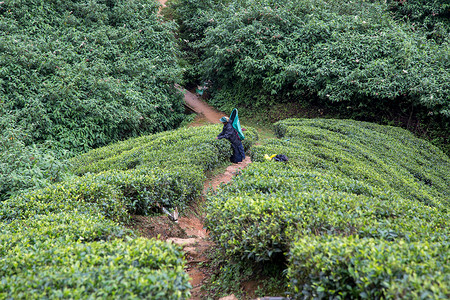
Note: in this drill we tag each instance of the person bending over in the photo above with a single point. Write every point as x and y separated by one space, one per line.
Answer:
229 133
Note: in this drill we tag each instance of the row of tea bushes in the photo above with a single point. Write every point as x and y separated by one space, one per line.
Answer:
68 240
343 179
354 268
190 145
386 156
165 168
76 253
131 269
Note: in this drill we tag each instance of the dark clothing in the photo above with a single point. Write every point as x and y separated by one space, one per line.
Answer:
231 134
280 157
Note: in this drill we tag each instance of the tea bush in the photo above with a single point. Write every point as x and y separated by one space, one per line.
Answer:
382 154
165 168
88 73
353 268
58 242
86 194
137 269
192 145
343 52
68 239
344 179
143 173
60 227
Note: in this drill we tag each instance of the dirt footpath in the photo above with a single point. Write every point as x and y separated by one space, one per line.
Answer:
205 113
197 245
190 232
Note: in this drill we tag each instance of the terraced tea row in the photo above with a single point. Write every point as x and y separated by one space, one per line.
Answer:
347 186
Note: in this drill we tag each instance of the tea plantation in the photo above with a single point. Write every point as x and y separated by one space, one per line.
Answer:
359 211
68 240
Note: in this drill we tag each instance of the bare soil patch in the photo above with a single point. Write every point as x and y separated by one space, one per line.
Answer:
190 232
201 108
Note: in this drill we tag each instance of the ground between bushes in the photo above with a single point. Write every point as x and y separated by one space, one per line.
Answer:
189 232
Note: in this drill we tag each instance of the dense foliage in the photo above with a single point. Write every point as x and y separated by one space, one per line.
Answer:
351 55
24 166
54 243
432 16
66 239
360 210
87 73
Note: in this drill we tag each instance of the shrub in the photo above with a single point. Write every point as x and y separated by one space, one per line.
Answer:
351 56
166 168
25 167
344 179
88 73
353 268
433 15
87 194
385 155
186 146
58 228
342 52
136 268
66 240
161 169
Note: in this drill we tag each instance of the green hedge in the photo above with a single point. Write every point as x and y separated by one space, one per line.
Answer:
133 269
73 251
353 52
165 168
87 194
381 155
191 146
352 58
58 228
353 268
68 240
25 167
343 179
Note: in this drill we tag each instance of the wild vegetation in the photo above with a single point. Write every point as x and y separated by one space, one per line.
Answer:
359 211
77 75
366 60
87 73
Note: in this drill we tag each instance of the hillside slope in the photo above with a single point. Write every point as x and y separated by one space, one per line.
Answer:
359 210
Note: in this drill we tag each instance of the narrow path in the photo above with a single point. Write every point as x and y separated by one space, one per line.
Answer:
191 233
197 245
201 108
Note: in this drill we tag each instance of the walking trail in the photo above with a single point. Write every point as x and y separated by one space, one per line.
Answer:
190 232
197 245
